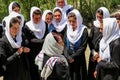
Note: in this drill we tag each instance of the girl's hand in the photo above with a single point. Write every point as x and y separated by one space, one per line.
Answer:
71 60
95 74
99 59
20 50
26 50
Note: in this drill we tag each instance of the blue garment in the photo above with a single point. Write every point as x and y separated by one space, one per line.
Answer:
51 28
70 9
73 47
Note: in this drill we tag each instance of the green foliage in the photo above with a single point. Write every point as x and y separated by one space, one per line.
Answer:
86 7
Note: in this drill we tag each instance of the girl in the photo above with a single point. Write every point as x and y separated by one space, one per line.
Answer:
58 21
48 17
75 46
94 39
51 62
35 30
13 51
64 6
108 67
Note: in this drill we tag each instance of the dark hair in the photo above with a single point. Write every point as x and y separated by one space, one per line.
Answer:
57 10
50 13
19 17
71 15
15 4
56 35
117 16
13 21
37 12
100 11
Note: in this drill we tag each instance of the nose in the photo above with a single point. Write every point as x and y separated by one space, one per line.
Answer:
71 22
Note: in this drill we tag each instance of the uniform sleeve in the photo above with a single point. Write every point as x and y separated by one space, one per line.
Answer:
4 57
27 32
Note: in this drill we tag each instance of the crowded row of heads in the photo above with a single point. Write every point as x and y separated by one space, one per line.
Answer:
63 14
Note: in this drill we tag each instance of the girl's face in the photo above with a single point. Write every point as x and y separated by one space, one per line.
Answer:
57 16
16 9
60 41
61 3
14 30
99 17
73 22
36 18
49 18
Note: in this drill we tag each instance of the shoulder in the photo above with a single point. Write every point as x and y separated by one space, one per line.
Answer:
26 27
114 45
85 30
116 42
4 41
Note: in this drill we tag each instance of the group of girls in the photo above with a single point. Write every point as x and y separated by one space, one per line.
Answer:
51 45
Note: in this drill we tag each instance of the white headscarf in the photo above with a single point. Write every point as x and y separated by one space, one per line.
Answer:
106 14
51 48
14 44
45 13
10 11
39 28
75 35
61 25
10 7
13 14
110 33
65 8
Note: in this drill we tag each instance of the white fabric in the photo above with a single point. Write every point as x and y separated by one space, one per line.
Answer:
17 14
45 13
10 7
61 25
8 35
65 8
38 29
48 68
106 14
10 11
110 33
39 60
75 35
51 48
64 1
14 14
